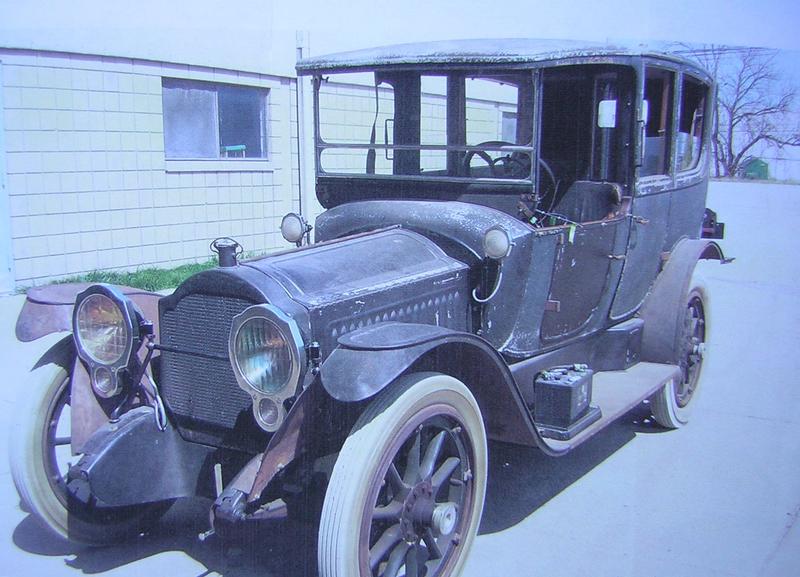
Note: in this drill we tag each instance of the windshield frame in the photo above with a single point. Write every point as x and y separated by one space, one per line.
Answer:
525 75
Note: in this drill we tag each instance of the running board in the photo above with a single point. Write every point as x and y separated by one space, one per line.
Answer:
616 393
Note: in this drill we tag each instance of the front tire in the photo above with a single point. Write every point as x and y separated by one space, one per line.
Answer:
671 405
408 487
39 448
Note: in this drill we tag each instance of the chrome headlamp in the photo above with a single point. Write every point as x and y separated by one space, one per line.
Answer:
294 227
267 356
497 243
103 324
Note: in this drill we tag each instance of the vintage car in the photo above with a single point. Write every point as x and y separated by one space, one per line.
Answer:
507 254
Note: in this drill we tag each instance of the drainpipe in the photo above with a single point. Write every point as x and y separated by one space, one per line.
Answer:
301 47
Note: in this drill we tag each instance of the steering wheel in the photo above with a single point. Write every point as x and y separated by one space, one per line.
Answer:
514 165
550 192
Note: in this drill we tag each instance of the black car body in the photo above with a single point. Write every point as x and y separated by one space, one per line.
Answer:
507 252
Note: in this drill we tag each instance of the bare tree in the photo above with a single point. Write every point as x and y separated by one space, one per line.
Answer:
753 107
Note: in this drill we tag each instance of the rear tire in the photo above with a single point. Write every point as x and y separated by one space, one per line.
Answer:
39 448
671 405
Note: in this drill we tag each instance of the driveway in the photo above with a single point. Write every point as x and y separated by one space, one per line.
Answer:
720 497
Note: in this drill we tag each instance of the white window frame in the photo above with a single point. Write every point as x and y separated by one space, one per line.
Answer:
221 163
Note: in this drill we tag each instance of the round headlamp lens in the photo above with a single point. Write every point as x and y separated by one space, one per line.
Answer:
293 227
104 382
102 332
496 243
263 355
269 412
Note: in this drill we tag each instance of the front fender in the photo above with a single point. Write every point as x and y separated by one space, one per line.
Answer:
48 309
370 359
367 360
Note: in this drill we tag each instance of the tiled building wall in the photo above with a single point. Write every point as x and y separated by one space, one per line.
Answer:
89 187
87 181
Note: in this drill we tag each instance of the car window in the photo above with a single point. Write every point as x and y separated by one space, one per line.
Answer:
690 122
658 98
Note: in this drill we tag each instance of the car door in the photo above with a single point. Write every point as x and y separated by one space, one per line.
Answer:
651 201
585 271
587 130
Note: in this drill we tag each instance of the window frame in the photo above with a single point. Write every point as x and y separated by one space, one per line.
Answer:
675 178
220 163
323 145
697 166
669 126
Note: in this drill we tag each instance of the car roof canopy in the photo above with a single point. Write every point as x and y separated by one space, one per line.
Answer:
475 52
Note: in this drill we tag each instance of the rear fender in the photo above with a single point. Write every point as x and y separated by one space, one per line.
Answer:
662 323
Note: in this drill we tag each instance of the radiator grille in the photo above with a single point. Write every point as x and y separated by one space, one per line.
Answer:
202 393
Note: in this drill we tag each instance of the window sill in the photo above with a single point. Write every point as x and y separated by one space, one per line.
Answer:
219 165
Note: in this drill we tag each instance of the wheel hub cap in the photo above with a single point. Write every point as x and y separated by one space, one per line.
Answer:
445 518
418 511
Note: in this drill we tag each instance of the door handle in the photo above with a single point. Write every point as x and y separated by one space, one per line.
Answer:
634 238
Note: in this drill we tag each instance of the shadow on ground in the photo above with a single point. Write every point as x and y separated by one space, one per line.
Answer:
521 480
287 552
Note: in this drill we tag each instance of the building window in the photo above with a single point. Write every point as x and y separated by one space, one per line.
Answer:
205 120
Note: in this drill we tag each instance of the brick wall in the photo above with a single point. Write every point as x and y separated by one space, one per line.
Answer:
87 181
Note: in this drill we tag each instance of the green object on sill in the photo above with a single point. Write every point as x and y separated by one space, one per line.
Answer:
226 151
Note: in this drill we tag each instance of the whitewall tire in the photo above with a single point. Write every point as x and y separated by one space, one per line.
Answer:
406 494
672 404
39 449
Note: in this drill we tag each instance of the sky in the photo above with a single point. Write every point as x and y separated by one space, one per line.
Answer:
259 35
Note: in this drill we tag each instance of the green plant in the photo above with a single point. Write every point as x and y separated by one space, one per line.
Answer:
150 278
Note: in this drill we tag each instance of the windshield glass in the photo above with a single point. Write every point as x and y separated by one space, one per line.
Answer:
453 125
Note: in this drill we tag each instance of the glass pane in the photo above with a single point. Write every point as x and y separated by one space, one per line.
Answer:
190 120
348 113
690 123
411 111
351 161
658 92
509 128
486 100
434 111
242 122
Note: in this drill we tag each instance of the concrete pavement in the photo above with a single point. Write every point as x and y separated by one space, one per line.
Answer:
720 497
